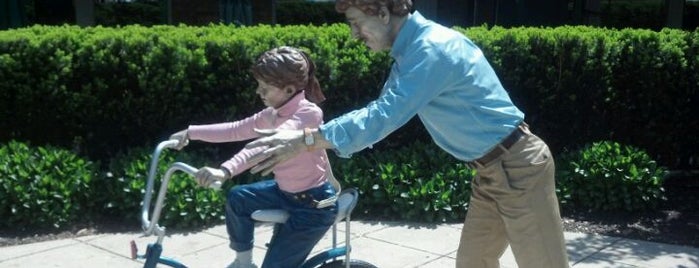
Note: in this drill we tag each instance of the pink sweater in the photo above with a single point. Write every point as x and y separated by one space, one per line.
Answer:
304 171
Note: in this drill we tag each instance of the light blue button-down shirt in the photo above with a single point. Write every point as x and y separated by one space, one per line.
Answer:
440 75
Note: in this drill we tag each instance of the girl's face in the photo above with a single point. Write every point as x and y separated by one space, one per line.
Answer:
273 96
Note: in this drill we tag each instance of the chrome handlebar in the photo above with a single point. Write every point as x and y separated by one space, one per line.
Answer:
150 224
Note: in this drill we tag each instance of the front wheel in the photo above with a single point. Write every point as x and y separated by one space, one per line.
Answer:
353 264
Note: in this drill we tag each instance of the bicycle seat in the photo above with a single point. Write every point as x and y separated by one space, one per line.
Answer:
346 202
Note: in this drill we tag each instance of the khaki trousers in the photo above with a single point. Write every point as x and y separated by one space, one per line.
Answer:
513 201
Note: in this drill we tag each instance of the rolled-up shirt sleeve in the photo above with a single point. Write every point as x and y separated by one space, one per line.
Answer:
444 78
413 82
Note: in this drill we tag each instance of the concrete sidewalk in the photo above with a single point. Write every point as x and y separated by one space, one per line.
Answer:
384 244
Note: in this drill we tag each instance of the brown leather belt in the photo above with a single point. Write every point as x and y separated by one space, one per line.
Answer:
505 145
305 197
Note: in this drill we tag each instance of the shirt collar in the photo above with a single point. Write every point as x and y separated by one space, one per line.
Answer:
405 34
291 105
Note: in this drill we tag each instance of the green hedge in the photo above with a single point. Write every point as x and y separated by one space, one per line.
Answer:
418 182
578 85
52 187
610 176
43 186
187 205
105 89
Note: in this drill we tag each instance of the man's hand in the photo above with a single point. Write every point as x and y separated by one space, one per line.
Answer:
283 145
182 137
206 176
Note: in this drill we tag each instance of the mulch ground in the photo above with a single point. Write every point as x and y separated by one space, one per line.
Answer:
676 221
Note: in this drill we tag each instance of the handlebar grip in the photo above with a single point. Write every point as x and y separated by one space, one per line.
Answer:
169 143
215 185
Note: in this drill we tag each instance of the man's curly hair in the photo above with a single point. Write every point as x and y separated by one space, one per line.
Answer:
371 7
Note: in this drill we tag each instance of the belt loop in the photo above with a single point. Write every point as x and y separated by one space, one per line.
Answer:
502 147
524 127
474 164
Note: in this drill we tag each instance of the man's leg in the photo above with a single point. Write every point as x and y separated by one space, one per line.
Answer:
483 237
529 206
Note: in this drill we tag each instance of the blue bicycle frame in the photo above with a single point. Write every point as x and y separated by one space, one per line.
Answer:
346 201
150 224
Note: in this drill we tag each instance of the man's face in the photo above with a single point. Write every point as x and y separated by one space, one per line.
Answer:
374 31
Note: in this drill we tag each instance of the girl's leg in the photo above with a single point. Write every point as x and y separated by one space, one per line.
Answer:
242 201
305 227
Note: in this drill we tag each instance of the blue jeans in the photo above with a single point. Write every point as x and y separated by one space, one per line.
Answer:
293 240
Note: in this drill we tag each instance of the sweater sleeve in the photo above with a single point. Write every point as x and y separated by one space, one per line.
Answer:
241 161
309 116
232 131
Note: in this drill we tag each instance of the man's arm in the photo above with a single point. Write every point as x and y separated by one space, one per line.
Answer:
424 75
283 145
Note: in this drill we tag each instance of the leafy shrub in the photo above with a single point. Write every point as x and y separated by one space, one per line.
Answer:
418 182
129 77
609 176
42 186
186 204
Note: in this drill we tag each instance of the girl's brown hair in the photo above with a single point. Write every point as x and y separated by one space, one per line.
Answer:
284 66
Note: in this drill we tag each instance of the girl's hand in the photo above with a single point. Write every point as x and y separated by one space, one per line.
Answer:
207 176
182 137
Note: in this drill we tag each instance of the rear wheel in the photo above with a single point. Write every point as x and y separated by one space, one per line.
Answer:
353 264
